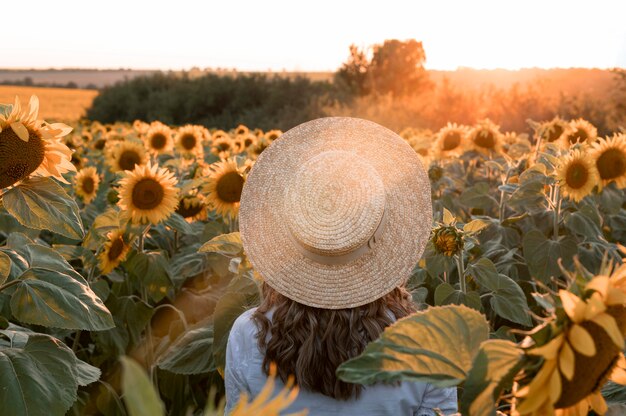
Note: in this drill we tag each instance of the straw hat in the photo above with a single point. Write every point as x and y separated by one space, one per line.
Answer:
336 212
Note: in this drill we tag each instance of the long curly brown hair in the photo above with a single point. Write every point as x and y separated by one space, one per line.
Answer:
310 343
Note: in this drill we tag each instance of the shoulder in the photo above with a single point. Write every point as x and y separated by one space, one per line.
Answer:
244 326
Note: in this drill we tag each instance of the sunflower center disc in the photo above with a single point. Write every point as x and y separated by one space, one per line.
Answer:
579 135
611 164
88 185
555 133
116 248
128 159
451 141
147 194
18 158
229 187
342 206
158 141
577 175
485 139
189 211
188 141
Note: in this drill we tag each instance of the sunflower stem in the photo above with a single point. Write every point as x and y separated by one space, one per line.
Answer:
76 342
150 346
557 211
461 269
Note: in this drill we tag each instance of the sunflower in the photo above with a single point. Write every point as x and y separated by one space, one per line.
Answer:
86 183
610 159
158 138
586 352
249 140
31 147
189 141
148 194
239 144
224 187
219 134
114 251
241 129
257 149
258 133
141 127
447 240
273 135
579 131
222 147
192 207
126 155
552 131
577 175
486 138
450 140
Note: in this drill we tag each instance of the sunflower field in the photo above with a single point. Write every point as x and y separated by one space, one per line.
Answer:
122 270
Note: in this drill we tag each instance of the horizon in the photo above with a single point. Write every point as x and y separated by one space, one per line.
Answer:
278 36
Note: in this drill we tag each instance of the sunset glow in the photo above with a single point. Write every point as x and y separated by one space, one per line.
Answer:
312 36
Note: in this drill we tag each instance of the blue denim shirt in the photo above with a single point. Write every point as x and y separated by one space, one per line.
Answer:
243 373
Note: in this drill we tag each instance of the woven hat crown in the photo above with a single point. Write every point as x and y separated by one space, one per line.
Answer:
334 203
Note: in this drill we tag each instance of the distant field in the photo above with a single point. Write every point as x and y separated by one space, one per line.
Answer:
55 104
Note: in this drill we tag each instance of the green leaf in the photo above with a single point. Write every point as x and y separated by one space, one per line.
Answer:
470 299
190 354
436 346
493 369
227 310
151 270
43 204
46 258
86 373
5 267
477 196
226 244
475 226
140 397
54 299
178 223
508 299
38 379
541 254
586 222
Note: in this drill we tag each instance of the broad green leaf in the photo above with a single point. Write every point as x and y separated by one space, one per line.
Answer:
508 299
474 226
140 397
457 297
477 196
152 271
448 218
586 222
43 204
5 267
493 369
70 252
178 223
86 373
227 310
436 346
192 353
541 254
226 244
38 379
54 299
47 258
131 316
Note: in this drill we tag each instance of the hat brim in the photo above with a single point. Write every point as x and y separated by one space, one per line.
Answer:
264 231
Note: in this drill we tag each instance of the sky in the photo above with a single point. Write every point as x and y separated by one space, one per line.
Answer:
309 35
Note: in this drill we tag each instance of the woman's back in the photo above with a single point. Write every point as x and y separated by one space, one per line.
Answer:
244 373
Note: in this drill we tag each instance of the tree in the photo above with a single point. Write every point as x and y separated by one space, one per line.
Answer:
397 67
353 73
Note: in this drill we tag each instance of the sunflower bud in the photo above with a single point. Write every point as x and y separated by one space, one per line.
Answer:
447 240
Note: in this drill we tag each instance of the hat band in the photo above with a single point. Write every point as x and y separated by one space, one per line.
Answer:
369 245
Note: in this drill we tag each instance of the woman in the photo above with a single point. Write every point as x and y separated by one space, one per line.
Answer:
334 216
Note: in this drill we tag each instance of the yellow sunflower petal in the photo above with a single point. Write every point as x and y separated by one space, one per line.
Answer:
566 361
537 392
20 130
597 403
600 284
608 323
554 386
615 297
595 306
618 375
581 341
574 306
548 351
